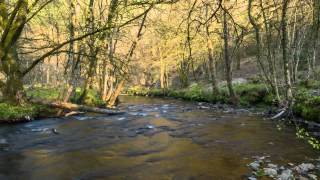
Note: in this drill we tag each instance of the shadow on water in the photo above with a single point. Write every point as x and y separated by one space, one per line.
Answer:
156 139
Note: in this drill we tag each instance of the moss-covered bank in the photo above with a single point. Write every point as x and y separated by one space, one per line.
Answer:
13 113
307 105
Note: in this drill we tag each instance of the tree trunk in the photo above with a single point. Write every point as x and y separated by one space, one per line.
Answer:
289 96
76 107
227 59
116 93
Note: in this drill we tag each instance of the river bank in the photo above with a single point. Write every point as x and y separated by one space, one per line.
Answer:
306 105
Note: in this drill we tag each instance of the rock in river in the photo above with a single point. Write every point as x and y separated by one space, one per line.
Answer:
270 172
304 167
286 175
255 165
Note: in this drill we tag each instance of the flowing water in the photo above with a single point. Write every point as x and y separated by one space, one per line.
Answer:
155 139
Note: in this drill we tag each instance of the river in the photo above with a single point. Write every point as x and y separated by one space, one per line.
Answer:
155 139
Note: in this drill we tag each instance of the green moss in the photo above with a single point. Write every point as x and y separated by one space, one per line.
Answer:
251 93
43 93
91 99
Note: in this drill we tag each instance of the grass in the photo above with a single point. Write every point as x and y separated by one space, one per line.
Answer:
43 93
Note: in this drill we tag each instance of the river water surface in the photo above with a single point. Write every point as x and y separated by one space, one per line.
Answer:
155 139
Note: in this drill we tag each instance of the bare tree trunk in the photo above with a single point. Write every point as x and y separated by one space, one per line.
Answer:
212 63
227 58
162 71
120 86
272 68
289 96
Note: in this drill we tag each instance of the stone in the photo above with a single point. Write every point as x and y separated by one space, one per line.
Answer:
150 127
286 175
255 165
252 178
121 119
272 166
304 167
3 141
270 172
290 164
312 176
302 178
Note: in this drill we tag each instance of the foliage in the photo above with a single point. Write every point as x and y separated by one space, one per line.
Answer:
251 93
92 97
307 106
43 93
303 134
11 113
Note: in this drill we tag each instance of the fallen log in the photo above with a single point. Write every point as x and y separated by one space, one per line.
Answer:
77 107
72 113
279 115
